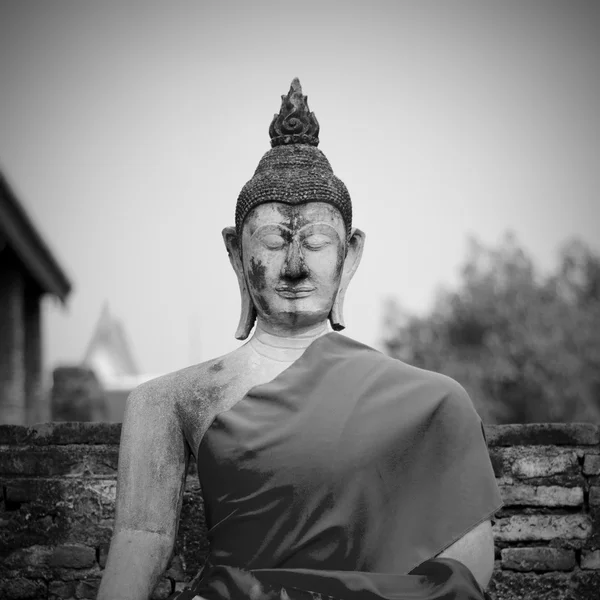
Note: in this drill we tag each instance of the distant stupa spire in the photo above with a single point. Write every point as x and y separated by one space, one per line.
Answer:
108 352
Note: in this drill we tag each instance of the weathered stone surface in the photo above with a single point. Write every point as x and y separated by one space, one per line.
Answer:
23 589
513 585
590 560
543 495
591 464
537 465
595 495
538 559
163 590
528 467
61 433
66 511
535 434
62 590
523 528
32 562
103 554
87 588
74 461
73 556
192 543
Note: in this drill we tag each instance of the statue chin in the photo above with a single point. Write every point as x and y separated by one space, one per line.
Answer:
291 320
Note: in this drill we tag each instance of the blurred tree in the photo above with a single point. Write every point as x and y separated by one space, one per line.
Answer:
526 348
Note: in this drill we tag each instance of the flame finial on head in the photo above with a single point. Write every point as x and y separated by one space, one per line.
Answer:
294 124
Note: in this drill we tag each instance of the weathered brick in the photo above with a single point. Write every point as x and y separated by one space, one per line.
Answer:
529 467
33 556
538 559
87 588
595 495
163 590
59 460
103 554
515 585
590 560
23 589
536 434
522 528
551 495
73 556
591 464
61 433
62 589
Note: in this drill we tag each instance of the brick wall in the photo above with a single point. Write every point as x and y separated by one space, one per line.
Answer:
58 488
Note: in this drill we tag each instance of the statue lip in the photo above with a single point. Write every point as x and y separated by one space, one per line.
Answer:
290 291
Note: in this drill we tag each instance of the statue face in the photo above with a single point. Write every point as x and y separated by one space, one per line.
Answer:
293 258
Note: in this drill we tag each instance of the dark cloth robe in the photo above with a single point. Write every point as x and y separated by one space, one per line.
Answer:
343 478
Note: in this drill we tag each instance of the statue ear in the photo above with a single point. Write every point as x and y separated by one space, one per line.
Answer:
353 256
248 314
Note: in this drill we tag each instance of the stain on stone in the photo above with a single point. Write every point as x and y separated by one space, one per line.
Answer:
216 367
264 305
256 274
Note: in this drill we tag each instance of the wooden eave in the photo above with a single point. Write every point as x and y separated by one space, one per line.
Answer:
21 235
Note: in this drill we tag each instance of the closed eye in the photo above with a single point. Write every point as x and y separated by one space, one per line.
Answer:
273 241
316 241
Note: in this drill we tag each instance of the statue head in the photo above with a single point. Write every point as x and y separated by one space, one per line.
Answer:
293 247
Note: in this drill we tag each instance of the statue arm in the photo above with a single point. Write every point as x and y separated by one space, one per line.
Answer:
153 460
475 550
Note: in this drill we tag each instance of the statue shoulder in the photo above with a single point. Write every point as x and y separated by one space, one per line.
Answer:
198 386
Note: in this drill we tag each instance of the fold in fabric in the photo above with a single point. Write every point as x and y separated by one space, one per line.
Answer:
436 579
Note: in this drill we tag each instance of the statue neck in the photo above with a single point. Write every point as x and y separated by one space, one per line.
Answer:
286 347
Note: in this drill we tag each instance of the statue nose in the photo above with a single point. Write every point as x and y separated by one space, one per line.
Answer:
294 266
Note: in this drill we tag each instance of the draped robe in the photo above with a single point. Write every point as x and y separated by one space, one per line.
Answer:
343 478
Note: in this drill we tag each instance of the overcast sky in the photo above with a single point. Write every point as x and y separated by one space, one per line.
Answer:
128 129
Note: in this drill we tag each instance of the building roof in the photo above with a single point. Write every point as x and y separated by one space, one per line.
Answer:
21 235
108 352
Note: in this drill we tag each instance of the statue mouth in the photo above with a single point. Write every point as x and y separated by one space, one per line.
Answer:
292 292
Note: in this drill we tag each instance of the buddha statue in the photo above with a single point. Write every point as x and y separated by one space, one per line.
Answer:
326 467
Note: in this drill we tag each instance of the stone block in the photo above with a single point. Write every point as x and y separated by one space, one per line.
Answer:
524 528
529 467
514 585
543 495
62 590
51 461
18 491
61 433
73 556
21 588
34 559
590 560
87 588
536 434
538 559
595 495
103 554
591 464
163 590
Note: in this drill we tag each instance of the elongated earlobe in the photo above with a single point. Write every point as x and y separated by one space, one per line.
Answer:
353 256
248 312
